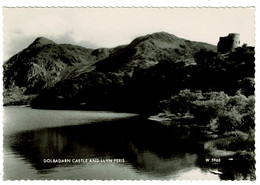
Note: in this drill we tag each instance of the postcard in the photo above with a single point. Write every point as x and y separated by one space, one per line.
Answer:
129 93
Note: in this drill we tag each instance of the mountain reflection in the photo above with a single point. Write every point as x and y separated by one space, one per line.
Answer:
147 146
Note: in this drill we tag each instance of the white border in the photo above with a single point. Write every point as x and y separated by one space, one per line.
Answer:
134 3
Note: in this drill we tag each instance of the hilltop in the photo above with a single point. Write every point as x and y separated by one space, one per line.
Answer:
42 64
145 51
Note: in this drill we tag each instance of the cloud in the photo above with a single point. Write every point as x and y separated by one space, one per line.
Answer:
109 27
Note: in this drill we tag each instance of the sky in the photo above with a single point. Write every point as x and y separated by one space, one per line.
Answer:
110 27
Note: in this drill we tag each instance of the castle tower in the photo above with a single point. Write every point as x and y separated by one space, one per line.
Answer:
229 43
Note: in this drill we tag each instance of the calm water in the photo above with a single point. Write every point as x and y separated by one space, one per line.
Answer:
108 146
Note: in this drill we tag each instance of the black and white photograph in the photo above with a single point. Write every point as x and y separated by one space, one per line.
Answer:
92 93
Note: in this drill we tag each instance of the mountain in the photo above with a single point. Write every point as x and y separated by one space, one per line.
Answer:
144 52
64 71
42 64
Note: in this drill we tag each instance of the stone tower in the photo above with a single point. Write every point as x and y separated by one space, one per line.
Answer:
229 43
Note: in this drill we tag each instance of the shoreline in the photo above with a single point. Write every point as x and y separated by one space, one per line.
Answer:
54 118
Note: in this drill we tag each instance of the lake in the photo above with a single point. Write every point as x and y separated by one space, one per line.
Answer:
74 145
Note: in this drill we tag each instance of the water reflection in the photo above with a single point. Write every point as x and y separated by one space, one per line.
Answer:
147 147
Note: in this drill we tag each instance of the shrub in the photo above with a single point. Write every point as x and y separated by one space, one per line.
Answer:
214 109
235 141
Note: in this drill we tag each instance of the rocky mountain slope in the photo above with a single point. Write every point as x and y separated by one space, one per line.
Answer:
144 52
76 73
42 64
